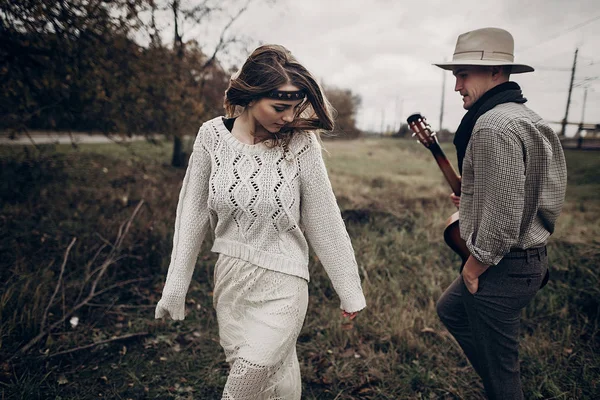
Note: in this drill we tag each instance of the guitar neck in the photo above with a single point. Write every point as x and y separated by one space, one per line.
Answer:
447 169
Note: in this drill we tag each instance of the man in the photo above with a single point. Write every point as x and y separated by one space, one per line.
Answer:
513 186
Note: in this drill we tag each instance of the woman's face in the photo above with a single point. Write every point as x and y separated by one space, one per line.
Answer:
273 114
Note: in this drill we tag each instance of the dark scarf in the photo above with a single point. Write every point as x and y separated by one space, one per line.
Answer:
507 92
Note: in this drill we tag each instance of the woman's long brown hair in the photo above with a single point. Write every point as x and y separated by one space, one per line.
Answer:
268 68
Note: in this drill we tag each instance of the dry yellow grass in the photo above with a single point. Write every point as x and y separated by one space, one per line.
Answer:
395 202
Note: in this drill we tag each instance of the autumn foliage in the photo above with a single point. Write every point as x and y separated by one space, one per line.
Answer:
76 65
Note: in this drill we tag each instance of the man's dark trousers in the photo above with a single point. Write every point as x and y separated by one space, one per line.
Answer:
486 324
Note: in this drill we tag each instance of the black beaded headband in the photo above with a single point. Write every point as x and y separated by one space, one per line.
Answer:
286 95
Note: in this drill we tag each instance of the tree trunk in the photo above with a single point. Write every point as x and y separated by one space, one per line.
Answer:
178 159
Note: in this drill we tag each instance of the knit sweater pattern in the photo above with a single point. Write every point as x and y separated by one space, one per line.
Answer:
264 205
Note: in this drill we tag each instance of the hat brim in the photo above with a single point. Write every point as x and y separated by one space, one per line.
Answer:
516 68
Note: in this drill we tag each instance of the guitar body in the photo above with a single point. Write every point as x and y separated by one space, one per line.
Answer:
453 239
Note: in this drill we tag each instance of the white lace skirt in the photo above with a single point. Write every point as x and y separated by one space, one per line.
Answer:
260 313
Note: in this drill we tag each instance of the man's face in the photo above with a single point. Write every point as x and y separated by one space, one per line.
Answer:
472 82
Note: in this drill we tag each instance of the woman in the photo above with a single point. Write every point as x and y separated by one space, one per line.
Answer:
257 180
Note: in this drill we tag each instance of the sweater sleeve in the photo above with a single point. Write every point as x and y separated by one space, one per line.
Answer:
191 226
325 229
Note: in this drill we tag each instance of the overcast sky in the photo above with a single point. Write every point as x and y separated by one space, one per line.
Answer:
383 50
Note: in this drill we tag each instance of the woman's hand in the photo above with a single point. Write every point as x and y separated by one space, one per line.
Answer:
349 315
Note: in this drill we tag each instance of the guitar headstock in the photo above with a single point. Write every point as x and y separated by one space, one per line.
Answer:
421 129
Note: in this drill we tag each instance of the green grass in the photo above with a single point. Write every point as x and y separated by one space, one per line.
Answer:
394 200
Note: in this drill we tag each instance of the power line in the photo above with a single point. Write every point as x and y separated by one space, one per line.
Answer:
592 61
552 69
585 81
589 21
590 64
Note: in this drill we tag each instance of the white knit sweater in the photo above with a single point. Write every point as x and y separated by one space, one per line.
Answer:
262 205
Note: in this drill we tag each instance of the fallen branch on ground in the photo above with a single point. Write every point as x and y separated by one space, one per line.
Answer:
99 343
58 284
112 257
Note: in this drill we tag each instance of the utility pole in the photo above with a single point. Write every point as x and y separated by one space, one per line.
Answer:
443 95
396 118
580 127
400 112
564 121
583 108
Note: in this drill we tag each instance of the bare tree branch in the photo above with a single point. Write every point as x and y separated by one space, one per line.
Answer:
222 41
120 284
111 259
88 273
198 13
122 306
99 343
123 229
62 271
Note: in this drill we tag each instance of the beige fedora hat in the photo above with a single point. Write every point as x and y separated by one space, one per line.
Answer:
486 46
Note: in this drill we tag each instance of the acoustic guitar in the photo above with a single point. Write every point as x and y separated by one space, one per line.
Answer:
427 138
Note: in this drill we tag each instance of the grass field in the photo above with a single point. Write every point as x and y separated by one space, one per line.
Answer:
394 201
